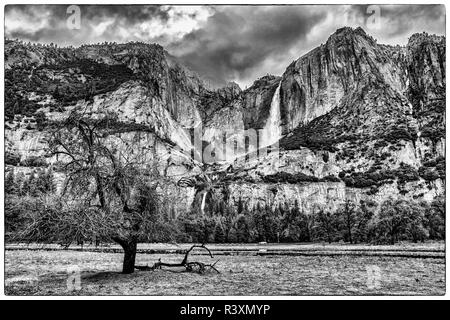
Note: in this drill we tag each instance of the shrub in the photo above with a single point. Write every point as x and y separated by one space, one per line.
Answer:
398 133
15 209
406 173
364 214
325 226
398 220
289 178
330 178
240 233
373 177
34 161
428 173
12 159
435 219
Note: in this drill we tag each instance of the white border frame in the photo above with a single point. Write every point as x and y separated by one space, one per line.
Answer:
197 298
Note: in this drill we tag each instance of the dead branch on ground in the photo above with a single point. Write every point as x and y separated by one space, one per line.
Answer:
190 266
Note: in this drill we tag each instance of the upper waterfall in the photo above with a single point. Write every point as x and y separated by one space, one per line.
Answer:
271 132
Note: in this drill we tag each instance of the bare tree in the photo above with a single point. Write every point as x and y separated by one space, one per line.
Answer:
190 266
347 215
324 226
109 192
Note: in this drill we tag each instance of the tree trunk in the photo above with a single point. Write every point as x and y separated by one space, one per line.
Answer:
350 235
129 258
392 238
349 229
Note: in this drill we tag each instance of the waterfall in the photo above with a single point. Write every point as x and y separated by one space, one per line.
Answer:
202 207
271 132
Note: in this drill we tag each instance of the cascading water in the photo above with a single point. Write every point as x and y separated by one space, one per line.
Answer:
202 207
272 130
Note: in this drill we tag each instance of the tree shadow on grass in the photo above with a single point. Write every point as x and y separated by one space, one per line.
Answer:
106 276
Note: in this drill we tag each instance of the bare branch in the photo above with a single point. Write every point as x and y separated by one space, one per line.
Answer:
190 266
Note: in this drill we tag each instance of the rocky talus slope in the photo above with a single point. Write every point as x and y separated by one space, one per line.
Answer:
355 119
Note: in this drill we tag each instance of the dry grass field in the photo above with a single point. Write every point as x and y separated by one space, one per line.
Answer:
244 270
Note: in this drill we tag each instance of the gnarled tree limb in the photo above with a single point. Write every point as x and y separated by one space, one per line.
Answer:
190 266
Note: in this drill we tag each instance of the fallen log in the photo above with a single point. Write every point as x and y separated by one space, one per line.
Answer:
190 266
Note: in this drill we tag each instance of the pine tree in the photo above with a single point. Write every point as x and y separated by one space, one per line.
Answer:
364 214
260 218
273 226
208 230
347 220
219 234
241 230
228 221
324 225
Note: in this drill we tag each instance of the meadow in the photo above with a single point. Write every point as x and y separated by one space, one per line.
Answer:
250 269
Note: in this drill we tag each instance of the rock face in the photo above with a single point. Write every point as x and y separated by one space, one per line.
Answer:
315 83
256 101
354 119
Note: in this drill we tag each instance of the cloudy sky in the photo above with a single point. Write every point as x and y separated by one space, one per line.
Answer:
222 43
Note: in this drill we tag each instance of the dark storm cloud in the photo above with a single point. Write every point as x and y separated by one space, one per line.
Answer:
236 40
398 22
243 43
47 23
134 13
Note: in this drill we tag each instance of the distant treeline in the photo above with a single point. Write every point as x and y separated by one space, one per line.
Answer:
363 222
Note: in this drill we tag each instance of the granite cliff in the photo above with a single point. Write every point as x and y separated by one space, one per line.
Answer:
351 119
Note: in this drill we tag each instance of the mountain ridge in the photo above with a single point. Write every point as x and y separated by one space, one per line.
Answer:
362 118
